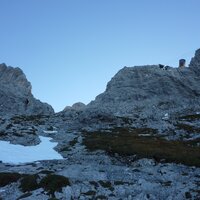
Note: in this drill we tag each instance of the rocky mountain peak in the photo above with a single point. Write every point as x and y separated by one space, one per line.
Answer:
15 94
14 80
149 94
195 61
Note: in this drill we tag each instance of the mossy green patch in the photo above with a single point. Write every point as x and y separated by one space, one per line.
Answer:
90 193
7 178
94 183
105 184
46 172
52 183
126 142
2 133
50 128
194 142
73 142
188 195
65 148
119 183
9 126
29 183
166 183
101 197
188 128
36 119
193 117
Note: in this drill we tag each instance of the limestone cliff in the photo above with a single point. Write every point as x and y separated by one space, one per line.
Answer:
148 94
15 94
195 63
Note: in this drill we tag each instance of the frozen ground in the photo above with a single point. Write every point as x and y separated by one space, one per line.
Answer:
16 154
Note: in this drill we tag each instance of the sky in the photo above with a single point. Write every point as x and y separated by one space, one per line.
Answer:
70 49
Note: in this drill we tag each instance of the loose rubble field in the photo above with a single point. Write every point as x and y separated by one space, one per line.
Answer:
111 164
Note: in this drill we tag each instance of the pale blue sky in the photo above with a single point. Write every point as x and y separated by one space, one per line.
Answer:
70 49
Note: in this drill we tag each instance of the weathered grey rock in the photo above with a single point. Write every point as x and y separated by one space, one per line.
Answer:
97 174
148 95
195 62
148 89
79 106
15 94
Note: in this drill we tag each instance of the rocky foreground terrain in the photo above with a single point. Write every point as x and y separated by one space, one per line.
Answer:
140 139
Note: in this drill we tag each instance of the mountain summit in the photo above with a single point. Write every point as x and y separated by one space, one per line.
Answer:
15 94
148 95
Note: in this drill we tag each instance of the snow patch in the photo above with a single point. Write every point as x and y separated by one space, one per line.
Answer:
16 154
50 131
166 116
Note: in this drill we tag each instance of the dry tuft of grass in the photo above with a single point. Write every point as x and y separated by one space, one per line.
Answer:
190 117
188 128
7 178
52 183
127 142
29 183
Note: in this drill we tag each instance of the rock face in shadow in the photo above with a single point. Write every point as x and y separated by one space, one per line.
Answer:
15 94
148 94
195 62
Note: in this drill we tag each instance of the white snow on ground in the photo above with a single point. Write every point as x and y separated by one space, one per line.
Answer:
16 154
50 131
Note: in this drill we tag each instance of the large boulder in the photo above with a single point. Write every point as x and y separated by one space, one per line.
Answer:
15 94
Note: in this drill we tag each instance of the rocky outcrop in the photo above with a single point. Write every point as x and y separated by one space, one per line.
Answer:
15 94
195 62
148 95
79 106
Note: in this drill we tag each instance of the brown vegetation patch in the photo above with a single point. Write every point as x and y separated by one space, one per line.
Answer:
52 183
29 183
126 142
36 119
190 117
188 128
7 178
